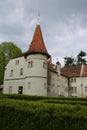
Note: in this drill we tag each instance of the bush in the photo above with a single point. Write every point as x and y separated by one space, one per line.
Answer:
38 115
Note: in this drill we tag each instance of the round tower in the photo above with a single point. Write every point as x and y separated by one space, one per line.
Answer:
36 65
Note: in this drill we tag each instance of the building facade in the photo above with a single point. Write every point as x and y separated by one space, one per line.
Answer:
33 73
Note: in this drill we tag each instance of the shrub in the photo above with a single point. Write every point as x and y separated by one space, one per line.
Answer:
31 115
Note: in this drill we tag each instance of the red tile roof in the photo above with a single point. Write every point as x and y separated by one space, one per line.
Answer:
74 71
84 73
37 45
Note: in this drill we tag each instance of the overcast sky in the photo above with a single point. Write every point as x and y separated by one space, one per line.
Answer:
63 24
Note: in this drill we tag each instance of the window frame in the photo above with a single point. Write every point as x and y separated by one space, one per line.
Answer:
21 71
11 73
74 90
85 89
30 64
44 65
17 62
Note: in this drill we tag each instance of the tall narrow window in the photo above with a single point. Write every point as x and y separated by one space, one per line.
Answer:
21 71
29 84
85 89
17 62
11 73
73 80
74 89
45 65
10 89
30 64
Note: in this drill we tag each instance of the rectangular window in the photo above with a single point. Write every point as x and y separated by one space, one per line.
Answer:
10 90
21 71
73 80
45 65
85 89
17 62
45 86
30 64
11 73
29 84
74 89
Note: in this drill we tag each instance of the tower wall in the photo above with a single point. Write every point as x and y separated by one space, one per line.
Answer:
36 75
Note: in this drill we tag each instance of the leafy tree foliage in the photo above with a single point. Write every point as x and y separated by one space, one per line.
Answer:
8 50
80 58
71 61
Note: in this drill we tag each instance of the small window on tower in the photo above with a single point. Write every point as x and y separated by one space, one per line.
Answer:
30 64
45 65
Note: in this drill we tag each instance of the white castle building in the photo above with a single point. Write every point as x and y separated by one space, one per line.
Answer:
32 73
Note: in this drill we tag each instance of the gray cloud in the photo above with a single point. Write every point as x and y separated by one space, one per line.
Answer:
63 24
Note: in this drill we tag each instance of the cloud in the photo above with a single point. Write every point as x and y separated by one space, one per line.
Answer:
63 24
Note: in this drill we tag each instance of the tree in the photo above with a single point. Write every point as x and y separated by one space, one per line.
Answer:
80 58
69 61
8 50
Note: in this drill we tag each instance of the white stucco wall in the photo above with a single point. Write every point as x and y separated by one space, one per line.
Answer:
35 75
16 79
16 68
37 81
58 85
80 84
14 84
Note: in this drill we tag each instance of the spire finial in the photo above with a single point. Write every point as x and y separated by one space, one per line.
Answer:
38 19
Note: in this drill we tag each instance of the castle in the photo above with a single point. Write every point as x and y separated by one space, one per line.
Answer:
33 73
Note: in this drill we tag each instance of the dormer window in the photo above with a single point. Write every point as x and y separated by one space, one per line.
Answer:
30 64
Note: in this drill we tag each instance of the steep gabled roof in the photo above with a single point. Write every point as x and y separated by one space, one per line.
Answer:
75 71
37 45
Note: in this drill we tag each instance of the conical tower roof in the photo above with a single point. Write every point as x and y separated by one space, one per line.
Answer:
37 45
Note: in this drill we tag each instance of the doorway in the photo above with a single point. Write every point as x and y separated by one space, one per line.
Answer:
20 90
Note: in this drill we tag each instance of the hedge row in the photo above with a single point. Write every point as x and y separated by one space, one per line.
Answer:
31 115
46 99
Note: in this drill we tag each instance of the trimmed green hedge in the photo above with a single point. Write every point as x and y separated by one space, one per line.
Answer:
39 115
46 99
37 98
